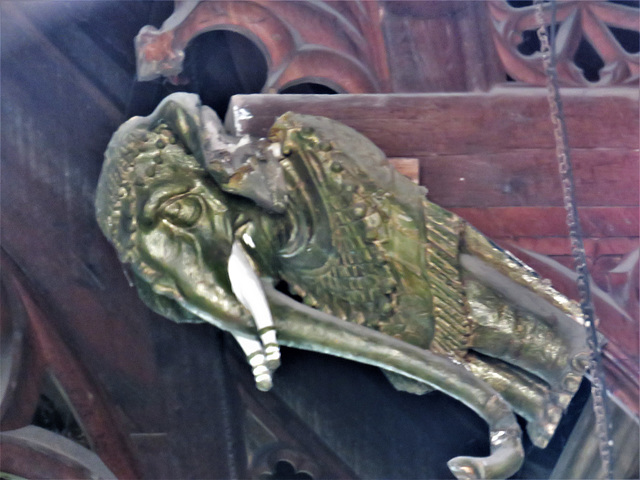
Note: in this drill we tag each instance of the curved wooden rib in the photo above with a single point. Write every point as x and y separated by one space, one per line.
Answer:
21 364
34 452
298 40
45 352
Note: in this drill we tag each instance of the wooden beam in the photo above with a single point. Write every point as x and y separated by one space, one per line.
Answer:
505 119
514 222
25 27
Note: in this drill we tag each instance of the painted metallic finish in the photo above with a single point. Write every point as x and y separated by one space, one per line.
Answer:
386 277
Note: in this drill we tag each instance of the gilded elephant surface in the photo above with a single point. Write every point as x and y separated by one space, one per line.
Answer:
210 224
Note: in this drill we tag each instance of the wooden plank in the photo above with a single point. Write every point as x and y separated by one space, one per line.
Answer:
420 43
560 246
484 150
504 119
509 222
439 47
530 178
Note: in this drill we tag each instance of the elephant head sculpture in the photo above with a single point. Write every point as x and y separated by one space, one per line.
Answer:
210 223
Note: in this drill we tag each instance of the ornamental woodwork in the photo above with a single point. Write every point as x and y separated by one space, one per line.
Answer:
406 46
598 23
297 38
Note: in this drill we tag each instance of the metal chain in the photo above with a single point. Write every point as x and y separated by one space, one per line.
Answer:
598 386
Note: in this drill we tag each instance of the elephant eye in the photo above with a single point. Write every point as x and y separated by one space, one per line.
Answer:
183 211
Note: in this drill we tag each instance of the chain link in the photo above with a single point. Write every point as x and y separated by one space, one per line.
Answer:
598 386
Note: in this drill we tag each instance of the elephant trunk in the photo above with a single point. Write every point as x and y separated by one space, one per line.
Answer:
302 327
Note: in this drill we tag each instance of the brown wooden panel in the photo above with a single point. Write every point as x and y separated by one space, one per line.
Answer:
504 119
297 38
484 150
561 247
530 177
509 222
418 45
436 46
287 429
98 418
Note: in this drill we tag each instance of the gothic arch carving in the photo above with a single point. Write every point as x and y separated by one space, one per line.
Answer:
325 66
297 38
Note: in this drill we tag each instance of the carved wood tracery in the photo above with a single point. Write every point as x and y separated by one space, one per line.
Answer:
331 43
373 47
579 21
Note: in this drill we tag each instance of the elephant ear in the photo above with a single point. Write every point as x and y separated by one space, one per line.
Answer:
242 166
161 304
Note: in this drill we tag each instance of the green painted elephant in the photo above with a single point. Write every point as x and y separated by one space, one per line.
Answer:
210 224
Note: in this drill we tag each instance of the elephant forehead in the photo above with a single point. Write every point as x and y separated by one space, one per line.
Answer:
133 160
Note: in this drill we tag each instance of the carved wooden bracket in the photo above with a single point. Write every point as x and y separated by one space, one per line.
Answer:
305 41
599 24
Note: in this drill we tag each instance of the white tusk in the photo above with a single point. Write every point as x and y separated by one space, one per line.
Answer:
252 349
247 288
